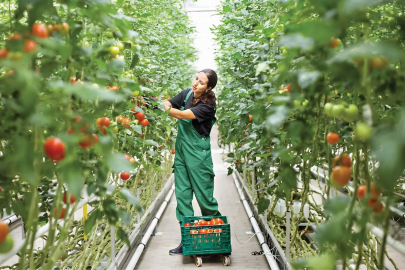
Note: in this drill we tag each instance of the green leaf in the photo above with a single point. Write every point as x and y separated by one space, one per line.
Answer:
263 155
230 171
71 174
263 205
125 217
296 40
137 128
336 205
320 262
122 235
117 162
262 67
275 119
91 221
129 197
365 50
150 142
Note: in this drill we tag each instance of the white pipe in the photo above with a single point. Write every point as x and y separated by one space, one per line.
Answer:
113 247
122 252
10 219
398 246
41 231
270 259
287 236
132 263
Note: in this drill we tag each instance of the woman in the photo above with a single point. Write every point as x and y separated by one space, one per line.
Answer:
193 168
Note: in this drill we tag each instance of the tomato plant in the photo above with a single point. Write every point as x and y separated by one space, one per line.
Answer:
57 77
344 67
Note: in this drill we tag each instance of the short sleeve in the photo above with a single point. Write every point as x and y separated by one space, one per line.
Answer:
203 112
178 99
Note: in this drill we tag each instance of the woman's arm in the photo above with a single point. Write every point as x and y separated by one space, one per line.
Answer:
187 114
167 103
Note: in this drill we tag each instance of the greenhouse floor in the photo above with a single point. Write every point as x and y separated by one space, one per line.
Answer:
156 254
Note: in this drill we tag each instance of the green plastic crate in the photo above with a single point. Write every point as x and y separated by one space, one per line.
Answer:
206 243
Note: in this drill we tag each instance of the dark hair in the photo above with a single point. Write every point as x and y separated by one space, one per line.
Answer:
208 97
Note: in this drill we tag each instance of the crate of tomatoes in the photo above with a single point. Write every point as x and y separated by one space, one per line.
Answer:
206 235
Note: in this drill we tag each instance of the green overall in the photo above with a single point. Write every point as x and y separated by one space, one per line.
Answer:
193 171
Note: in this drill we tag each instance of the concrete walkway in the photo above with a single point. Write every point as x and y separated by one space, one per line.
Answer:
156 254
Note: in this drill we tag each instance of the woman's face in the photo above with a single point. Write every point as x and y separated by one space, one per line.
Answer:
200 84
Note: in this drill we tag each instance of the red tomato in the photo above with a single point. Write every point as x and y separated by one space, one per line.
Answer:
250 117
125 175
343 160
72 198
218 230
377 209
372 202
144 122
334 43
125 122
203 222
332 138
62 213
105 121
114 88
88 140
218 220
73 80
194 232
3 53
187 224
341 175
119 118
140 116
14 36
55 149
127 157
134 112
374 192
197 223
210 230
173 152
40 30
203 231
361 192
30 46
209 223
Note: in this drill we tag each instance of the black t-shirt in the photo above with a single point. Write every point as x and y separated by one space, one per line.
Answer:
204 113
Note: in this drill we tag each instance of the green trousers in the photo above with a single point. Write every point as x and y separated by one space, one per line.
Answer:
193 172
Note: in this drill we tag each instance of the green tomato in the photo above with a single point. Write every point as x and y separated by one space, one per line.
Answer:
94 85
135 93
7 245
114 51
15 56
115 130
328 109
338 110
284 52
120 45
362 131
351 113
305 103
297 103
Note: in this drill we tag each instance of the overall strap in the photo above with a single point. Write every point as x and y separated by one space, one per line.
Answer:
185 100
215 119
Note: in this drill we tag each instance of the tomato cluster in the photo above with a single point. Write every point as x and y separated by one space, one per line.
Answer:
28 45
212 222
374 199
341 173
